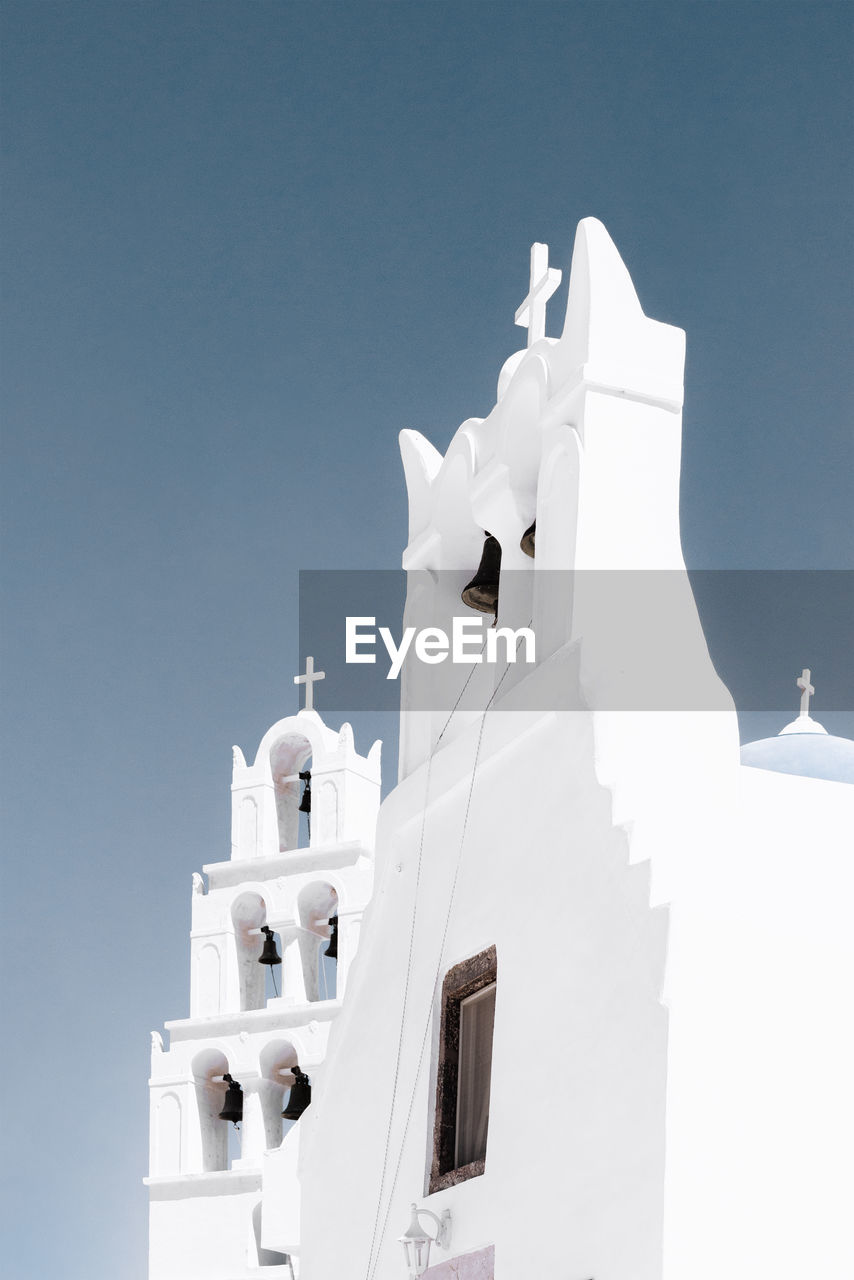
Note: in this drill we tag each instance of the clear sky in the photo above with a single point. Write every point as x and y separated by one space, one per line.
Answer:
243 245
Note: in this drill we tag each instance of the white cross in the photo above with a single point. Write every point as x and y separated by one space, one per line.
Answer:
544 280
804 683
308 680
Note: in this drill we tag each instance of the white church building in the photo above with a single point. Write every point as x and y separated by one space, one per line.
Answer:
591 1014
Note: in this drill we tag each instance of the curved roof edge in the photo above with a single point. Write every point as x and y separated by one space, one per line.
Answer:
809 755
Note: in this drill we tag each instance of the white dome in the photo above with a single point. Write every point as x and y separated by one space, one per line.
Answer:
804 747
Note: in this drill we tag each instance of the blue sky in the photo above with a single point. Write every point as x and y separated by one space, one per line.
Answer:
243 245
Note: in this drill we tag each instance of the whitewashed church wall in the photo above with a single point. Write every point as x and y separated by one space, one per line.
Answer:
585 434
761 1109
577 1109
282 1195
183 1245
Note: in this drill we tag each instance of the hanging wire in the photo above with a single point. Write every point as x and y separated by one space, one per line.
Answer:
373 1259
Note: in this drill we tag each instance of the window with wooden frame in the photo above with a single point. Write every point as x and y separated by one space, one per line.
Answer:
464 1071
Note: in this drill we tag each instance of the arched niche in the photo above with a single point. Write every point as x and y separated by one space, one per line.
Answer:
248 831
275 1059
248 913
209 1066
316 903
326 810
209 977
168 1131
289 756
273 974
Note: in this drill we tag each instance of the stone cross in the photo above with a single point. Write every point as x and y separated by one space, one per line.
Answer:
544 280
308 680
804 683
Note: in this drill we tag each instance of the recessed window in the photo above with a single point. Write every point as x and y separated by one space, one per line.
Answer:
464 1071
477 1015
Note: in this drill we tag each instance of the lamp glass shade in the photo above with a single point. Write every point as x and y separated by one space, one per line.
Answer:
416 1246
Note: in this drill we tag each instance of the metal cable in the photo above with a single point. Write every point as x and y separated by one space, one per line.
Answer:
374 1259
371 1259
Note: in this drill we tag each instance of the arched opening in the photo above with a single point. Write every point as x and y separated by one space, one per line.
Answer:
276 1060
270 949
290 756
218 1147
306 804
318 905
248 914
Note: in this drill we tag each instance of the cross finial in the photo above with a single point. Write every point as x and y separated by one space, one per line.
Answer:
804 684
544 280
308 680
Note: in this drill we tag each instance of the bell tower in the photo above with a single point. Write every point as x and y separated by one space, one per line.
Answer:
274 932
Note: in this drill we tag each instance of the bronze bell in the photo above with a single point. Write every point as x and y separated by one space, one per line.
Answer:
305 802
233 1107
332 949
300 1095
529 538
269 953
482 592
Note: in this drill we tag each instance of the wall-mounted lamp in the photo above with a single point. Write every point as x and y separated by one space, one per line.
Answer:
416 1243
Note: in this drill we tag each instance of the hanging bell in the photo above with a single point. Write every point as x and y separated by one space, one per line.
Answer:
305 802
269 953
529 538
482 592
332 950
233 1108
300 1095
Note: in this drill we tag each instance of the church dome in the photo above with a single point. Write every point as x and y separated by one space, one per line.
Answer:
806 748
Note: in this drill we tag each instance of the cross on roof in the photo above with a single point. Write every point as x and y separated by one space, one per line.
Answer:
804 684
543 282
308 680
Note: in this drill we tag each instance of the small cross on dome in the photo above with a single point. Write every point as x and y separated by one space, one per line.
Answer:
308 680
544 280
804 722
803 683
